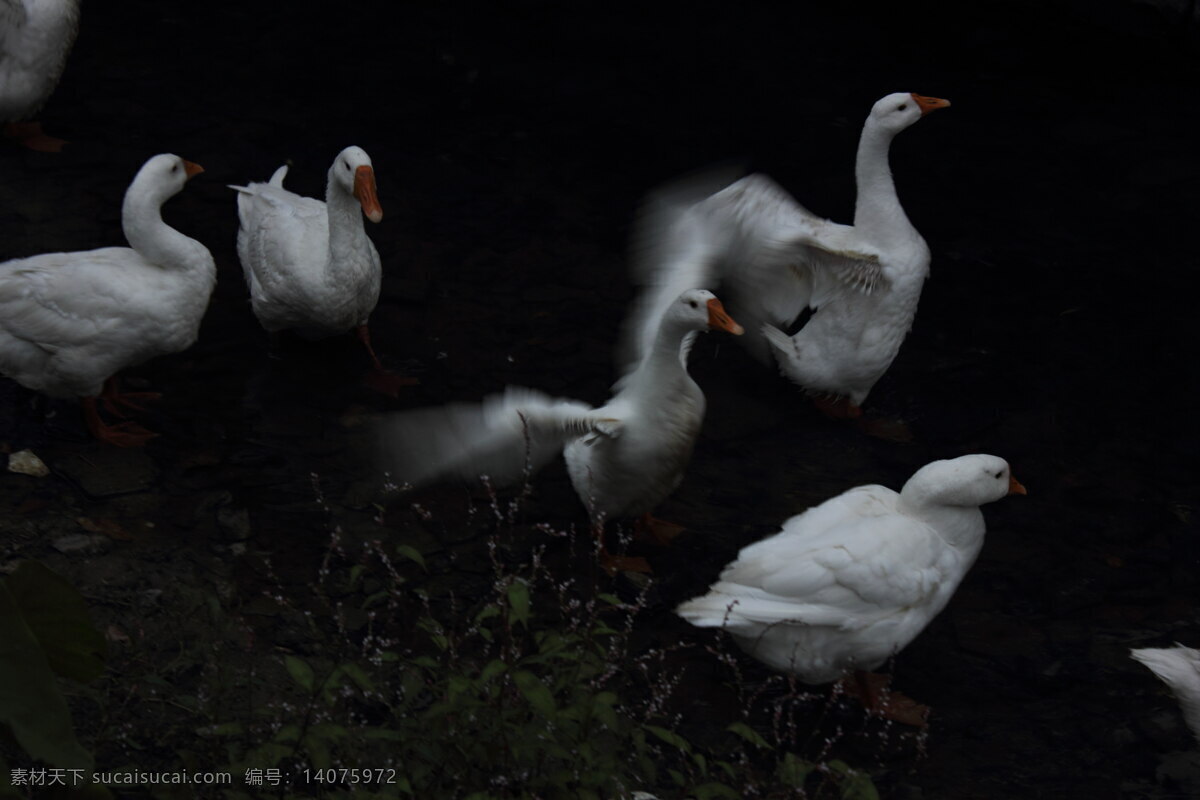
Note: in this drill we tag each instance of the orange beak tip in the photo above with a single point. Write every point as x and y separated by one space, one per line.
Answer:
1015 487
191 169
928 104
364 190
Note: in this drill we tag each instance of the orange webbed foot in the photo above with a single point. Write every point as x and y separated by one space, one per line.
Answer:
659 531
30 135
871 689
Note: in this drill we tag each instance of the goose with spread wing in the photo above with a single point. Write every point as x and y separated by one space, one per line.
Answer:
70 321
849 583
774 258
623 458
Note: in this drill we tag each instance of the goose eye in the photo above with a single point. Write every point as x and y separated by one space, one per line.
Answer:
1000 474
692 303
174 168
902 106
346 164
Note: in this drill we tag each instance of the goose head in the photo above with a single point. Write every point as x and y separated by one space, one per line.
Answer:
897 111
698 310
353 173
966 481
161 178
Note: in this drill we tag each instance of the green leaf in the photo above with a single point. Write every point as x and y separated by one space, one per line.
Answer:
30 701
749 734
359 676
535 692
220 729
57 615
713 789
855 784
487 612
670 737
412 554
793 770
518 602
300 671
493 668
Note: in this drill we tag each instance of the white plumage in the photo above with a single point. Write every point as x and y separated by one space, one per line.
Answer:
35 38
773 259
623 458
309 264
69 321
1179 668
850 582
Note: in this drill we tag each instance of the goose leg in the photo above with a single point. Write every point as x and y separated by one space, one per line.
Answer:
29 134
838 407
112 396
124 434
379 378
656 530
871 689
613 564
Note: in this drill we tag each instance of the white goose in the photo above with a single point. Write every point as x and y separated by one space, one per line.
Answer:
623 458
35 38
309 264
70 321
774 258
849 583
1179 668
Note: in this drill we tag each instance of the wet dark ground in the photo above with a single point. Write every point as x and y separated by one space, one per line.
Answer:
511 147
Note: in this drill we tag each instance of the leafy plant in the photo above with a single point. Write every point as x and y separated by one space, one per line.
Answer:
45 634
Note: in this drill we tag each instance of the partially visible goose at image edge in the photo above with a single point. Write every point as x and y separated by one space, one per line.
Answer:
70 321
1179 668
774 259
309 264
849 583
35 39
623 457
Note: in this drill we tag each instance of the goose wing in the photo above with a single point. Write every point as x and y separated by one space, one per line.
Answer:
504 437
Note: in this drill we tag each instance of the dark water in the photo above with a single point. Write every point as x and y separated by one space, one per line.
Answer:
511 146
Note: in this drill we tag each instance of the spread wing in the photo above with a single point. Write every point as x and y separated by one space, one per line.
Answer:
504 437
767 254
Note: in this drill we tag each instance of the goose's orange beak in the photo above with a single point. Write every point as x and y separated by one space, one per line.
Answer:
719 320
190 168
364 190
928 104
1015 487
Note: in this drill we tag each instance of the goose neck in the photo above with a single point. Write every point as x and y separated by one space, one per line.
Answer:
876 203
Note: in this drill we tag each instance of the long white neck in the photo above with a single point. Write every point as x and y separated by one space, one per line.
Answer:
155 240
347 237
877 207
663 367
